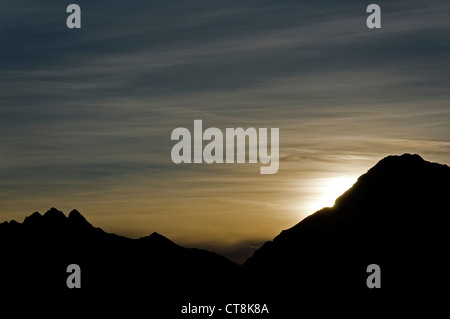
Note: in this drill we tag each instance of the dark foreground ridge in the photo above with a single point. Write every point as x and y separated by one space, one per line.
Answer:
63 240
118 273
395 216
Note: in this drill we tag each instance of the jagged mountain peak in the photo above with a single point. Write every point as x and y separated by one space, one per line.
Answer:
54 214
404 180
33 218
49 243
55 220
405 165
399 200
75 217
157 239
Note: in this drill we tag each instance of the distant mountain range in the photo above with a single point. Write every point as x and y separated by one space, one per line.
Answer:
50 241
395 216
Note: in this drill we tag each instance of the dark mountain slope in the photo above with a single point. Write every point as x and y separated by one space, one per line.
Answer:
395 215
116 271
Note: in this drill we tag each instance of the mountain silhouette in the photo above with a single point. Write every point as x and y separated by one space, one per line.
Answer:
115 270
395 216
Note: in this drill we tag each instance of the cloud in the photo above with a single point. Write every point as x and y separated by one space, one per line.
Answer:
86 115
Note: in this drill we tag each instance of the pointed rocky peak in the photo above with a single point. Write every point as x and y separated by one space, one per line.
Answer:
36 217
54 214
75 218
54 218
398 179
404 164
416 158
155 235
157 239
399 160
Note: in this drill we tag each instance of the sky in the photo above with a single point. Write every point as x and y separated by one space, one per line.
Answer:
86 114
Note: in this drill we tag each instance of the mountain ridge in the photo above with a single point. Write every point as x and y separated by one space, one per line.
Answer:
395 216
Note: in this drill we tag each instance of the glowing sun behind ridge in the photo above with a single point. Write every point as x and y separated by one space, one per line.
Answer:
329 189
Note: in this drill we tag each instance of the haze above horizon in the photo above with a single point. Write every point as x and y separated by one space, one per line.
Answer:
86 116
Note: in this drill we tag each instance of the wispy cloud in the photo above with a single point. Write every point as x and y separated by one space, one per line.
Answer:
86 116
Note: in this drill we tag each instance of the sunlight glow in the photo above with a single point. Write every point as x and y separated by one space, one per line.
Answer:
329 189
